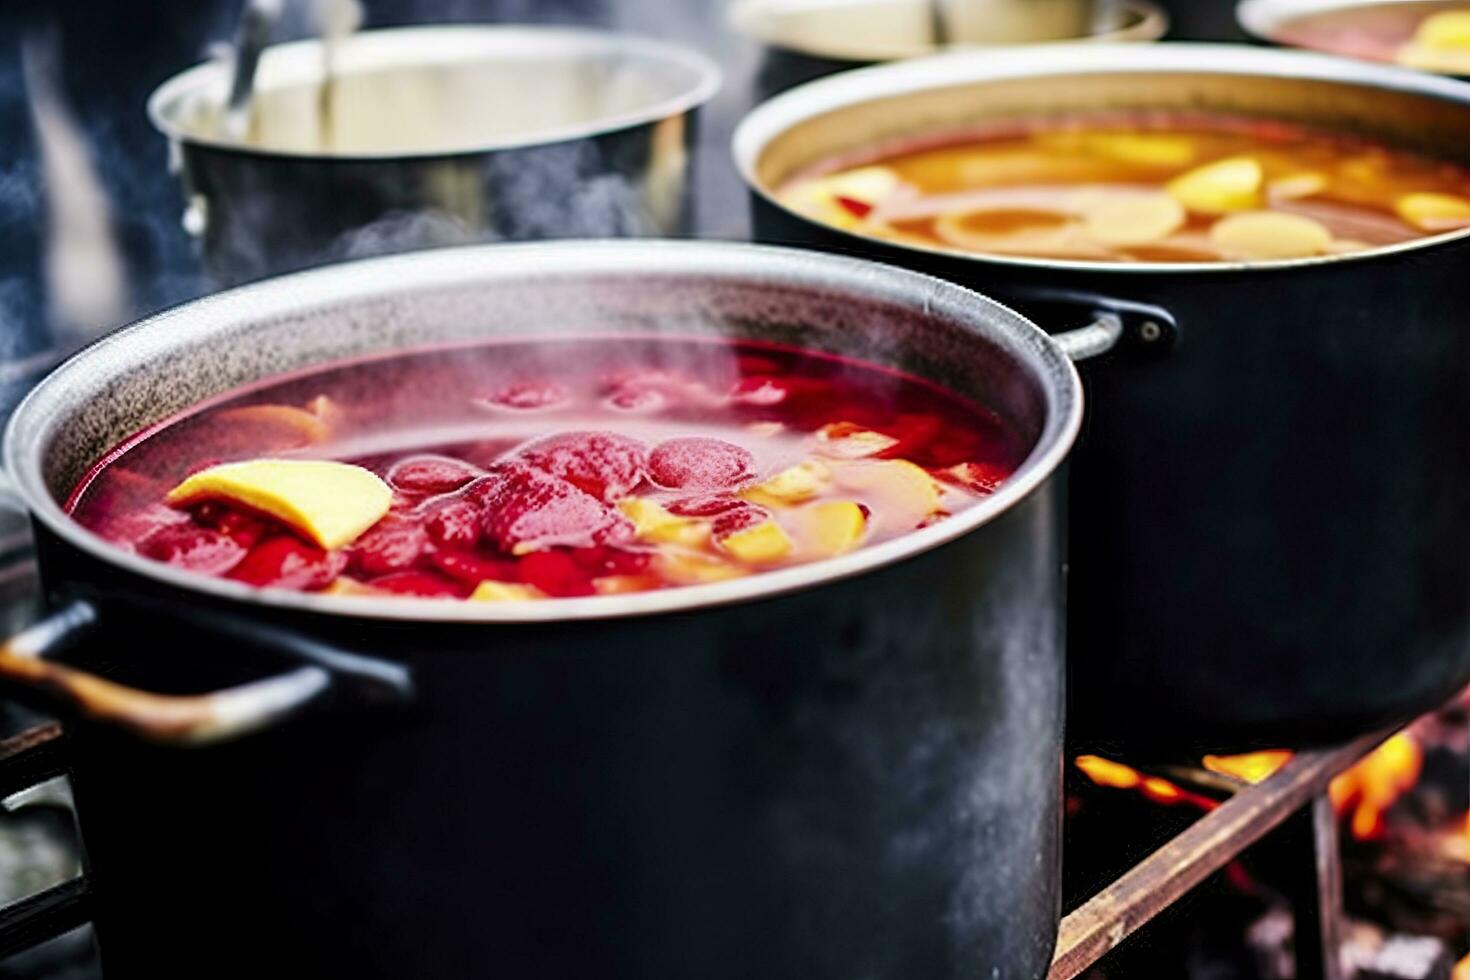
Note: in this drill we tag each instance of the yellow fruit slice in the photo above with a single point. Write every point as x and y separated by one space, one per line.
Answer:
902 494
831 528
758 544
342 585
309 426
1143 149
1294 187
1232 184
331 503
845 440
819 198
652 522
492 591
792 485
683 569
1449 30
1434 212
1264 235
1133 219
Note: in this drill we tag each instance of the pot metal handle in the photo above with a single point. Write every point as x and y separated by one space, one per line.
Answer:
1116 324
194 719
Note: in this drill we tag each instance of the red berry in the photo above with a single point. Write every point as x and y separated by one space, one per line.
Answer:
555 573
430 474
427 585
472 569
391 545
289 563
700 463
193 548
604 464
246 529
523 506
602 560
453 522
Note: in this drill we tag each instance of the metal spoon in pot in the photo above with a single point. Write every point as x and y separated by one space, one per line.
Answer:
257 23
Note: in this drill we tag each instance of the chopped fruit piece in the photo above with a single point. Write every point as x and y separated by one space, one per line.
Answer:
903 495
700 463
472 569
982 478
1449 29
625 584
431 474
195 549
288 563
1434 212
603 560
1257 235
329 502
685 569
1227 185
604 464
1294 187
1145 149
343 585
391 545
505 592
792 485
757 544
555 573
528 396
452 522
246 529
425 585
706 506
651 522
309 427
1133 219
832 199
845 440
831 528
526 509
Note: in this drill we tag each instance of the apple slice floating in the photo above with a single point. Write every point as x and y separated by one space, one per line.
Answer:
328 502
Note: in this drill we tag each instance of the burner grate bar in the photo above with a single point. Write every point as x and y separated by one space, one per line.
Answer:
1208 845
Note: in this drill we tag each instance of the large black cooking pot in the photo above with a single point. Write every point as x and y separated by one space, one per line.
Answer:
846 769
1269 524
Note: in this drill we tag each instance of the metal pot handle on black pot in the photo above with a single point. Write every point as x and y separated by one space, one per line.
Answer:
38 754
1116 324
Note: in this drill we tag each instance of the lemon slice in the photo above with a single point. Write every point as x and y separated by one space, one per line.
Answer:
1264 235
1448 30
1232 184
331 503
763 542
1133 220
1294 187
1434 212
492 591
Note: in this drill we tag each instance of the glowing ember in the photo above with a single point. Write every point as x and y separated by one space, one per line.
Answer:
1372 786
1254 767
1115 775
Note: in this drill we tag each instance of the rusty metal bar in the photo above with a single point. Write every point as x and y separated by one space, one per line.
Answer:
1207 846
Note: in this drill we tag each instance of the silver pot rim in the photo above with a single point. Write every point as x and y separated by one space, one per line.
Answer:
143 343
772 118
753 18
400 47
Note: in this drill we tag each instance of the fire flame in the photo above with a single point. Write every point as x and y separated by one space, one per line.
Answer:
1367 790
1253 767
1106 772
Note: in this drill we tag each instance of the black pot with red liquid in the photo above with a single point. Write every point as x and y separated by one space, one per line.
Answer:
847 768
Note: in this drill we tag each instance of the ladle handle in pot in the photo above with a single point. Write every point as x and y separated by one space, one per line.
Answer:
1115 324
192 719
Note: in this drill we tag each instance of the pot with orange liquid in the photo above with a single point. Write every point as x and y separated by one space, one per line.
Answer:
1267 519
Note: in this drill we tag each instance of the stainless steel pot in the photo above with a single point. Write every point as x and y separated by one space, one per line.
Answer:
1265 19
430 136
1267 524
805 40
849 768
